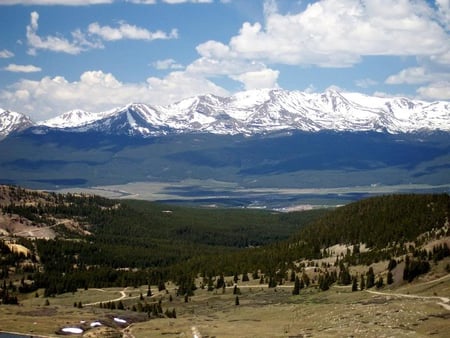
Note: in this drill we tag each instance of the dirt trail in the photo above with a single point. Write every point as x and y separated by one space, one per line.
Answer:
442 301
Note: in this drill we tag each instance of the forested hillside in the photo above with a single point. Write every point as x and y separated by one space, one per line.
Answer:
123 243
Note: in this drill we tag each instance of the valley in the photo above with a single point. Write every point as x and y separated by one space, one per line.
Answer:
216 194
103 267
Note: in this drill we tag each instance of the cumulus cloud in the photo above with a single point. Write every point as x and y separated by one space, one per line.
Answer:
365 83
5 54
92 39
167 64
55 2
332 33
435 91
98 91
78 44
265 78
414 75
171 2
126 31
22 68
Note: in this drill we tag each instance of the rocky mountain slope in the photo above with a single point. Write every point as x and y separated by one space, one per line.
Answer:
256 112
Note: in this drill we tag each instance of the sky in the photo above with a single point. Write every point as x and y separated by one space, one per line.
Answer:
95 55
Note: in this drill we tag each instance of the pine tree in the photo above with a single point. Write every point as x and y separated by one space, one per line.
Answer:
390 278
292 279
354 284
296 290
370 278
380 282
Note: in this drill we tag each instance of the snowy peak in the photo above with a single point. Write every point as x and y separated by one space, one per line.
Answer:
11 122
71 119
259 112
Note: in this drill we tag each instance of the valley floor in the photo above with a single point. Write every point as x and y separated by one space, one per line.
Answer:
419 309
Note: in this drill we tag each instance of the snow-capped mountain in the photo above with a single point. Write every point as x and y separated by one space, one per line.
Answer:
263 111
11 121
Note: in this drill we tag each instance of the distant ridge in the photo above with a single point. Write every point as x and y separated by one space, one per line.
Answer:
251 112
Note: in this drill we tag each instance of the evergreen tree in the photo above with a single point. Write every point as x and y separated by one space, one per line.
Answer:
220 282
390 278
296 289
293 277
380 282
354 284
370 278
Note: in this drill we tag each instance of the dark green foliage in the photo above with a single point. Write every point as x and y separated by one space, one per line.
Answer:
414 267
325 281
392 264
177 245
354 283
370 278
272 282
378 221
296 289
379 282
344 275
390 278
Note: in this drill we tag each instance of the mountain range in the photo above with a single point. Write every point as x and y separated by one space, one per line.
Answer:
248 113
246 149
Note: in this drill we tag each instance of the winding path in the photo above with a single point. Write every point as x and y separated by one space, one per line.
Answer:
442 301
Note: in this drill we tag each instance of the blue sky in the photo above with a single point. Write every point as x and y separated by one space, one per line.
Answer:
59 55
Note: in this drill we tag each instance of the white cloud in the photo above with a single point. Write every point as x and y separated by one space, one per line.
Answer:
414 75
56 43
435 91
22 68
435 81
143 2
126 31
81 42
332 33
55 2
365 83
266 78
167 64
184 1
98 91
171 2
5 54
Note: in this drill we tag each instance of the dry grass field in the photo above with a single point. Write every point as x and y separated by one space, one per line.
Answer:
418 309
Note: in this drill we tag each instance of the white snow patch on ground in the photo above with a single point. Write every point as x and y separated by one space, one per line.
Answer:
72 330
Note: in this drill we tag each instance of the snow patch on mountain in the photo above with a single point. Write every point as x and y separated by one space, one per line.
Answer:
12 121
263 111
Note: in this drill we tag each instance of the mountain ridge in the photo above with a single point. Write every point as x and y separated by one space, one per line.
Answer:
252 112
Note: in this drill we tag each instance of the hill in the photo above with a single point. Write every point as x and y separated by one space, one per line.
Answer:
267 263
